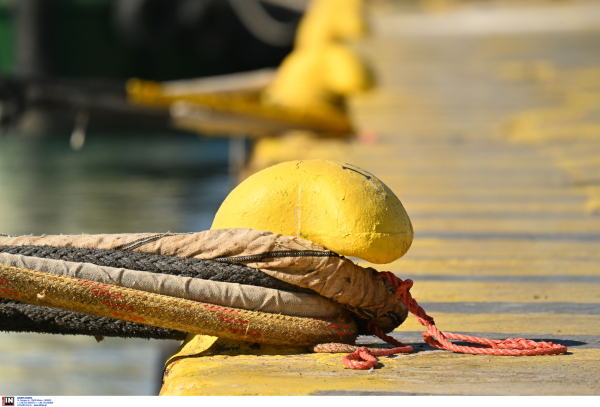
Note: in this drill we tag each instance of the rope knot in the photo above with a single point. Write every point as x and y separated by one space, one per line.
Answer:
361 359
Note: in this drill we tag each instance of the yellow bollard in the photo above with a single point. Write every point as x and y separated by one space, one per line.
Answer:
339 206
322 71
329 21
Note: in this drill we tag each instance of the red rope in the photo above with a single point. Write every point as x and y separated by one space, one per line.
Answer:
365 358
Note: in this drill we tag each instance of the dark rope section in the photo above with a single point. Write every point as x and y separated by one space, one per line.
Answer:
17 316
178 266
276 255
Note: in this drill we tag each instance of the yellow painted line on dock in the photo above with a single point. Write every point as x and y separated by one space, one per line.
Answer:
519 208
513 248
457 181
519 324
510 225
468 291
483 190
433 372
492 267
410 187
384 158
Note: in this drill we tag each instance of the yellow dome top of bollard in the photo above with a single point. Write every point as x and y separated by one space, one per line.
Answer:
338 206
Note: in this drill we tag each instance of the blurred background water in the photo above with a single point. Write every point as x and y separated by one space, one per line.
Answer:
117 183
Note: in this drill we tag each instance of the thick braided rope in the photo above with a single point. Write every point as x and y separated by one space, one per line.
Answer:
365 358
222 270
17 316
21 317
154 263
38 288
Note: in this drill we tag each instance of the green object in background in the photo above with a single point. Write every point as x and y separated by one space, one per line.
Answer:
84 38
7 39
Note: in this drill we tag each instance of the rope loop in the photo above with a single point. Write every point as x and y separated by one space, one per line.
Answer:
365 358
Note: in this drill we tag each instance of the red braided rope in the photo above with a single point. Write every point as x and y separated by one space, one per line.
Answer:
365 358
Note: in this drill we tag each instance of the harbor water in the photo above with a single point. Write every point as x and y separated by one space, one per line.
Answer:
116 183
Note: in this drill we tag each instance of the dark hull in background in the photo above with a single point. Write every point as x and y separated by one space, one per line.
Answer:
152 39
62 57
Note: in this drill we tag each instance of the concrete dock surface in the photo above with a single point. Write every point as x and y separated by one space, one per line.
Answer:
489 133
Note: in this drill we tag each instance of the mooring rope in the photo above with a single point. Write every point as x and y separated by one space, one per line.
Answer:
26 316
16 316
219 270
365 358
178 266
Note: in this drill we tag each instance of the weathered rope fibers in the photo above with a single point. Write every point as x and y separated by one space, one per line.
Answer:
27 318
17 316
154 263
39 288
